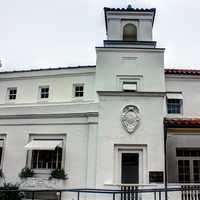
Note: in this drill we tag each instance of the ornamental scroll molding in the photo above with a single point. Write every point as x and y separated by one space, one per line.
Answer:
130 118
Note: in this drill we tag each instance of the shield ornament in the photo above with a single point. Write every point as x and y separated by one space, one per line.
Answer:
130 118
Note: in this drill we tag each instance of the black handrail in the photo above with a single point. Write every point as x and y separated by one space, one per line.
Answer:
130 193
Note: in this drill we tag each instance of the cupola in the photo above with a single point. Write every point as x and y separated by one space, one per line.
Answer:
129 26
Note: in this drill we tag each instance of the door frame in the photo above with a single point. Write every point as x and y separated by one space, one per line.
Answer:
119 150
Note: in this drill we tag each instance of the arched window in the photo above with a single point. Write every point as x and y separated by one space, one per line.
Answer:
130 32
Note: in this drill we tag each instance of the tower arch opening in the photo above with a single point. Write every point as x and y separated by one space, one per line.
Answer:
129 32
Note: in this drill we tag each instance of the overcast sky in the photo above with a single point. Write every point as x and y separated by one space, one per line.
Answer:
59 33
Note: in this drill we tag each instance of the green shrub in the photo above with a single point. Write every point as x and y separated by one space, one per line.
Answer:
6 192
58 173
26 172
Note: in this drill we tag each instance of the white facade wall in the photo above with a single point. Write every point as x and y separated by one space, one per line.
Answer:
61 114
130 64
113 135
60 86
190 88
80 140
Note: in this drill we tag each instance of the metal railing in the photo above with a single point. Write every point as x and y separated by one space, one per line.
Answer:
125 193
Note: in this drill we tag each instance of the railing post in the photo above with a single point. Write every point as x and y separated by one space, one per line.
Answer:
136 193
165 161
154 195
78 195
159 195
33 195
113 196
60 195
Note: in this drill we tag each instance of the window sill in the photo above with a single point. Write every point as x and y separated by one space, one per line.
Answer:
43 101
175 115
42 171
10 101
74 99
42 183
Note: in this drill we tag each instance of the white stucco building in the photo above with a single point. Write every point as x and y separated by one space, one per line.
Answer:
108 124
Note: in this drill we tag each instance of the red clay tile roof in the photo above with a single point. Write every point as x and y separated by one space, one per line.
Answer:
182 122
48 69
167 71
182 71
129 8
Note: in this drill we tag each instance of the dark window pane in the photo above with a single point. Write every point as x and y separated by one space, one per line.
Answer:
173 106
183 171
12 94
188 152
1 151
44 93
130 168
79 91
196 170
47 159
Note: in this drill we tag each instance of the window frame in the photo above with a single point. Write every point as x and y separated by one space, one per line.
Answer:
40 92
74 90
2 138
130 83
8 94
129 79
190 159
38 152
180 104
119 150
61 136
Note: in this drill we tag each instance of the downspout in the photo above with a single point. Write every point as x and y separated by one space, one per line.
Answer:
165 158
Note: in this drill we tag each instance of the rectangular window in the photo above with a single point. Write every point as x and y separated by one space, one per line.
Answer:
78 90
174 106
188 160
47 159
130 86
46 152
44 92
188 152
1 150
12 93
196 171
184 171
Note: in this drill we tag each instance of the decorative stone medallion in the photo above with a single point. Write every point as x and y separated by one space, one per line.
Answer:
130 118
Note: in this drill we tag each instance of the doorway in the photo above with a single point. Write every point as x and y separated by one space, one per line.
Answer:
130 168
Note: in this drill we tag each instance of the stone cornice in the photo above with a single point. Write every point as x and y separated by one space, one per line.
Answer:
129 49
139 94
49 111
55 115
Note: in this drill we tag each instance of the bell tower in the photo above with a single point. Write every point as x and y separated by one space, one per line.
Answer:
130 84
130 26
129 56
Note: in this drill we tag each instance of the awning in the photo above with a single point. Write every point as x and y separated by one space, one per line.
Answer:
43 144
174 96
